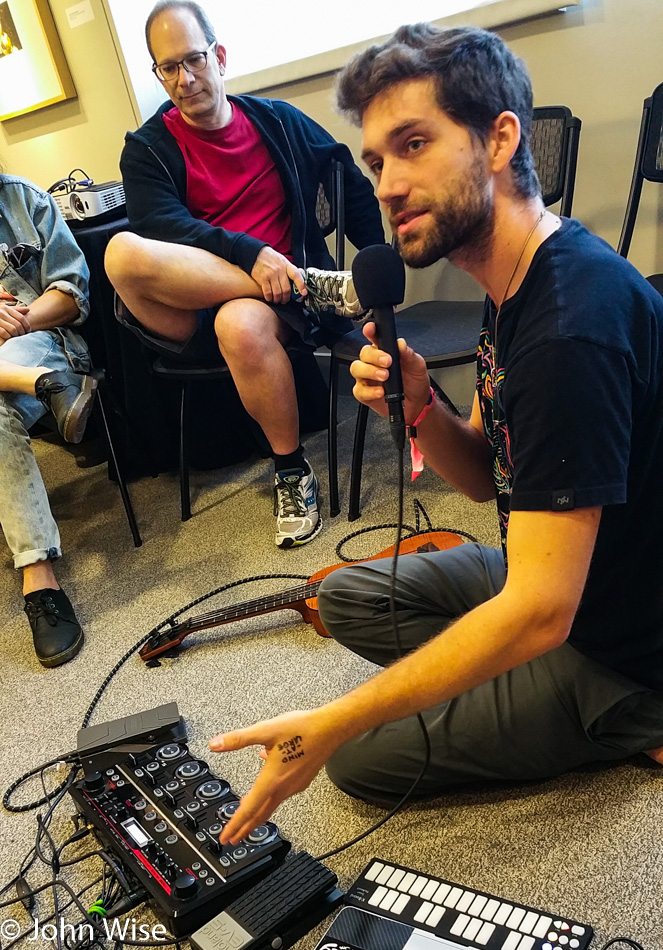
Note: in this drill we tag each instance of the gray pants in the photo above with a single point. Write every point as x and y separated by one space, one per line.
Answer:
555 713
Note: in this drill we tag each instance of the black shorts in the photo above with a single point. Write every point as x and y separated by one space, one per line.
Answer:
202 348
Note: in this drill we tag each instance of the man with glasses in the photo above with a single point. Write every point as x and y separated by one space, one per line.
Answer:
227 256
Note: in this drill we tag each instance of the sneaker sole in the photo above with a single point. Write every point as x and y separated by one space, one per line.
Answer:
298 542
66 655
79 413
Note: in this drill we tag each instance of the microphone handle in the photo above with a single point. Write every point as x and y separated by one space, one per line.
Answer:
385 332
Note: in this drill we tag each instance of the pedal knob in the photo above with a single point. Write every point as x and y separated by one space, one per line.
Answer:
95 783
185 886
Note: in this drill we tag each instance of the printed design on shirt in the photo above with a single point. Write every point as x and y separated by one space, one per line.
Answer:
490 384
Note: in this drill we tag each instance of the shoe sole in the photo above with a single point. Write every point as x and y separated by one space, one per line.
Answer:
288 543
79 412
66 655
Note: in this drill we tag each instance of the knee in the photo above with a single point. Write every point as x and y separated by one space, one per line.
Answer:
127 260
243 333
339 602
356 773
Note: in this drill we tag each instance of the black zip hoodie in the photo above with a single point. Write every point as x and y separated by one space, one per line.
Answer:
154 176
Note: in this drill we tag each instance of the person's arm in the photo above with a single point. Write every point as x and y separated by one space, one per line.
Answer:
63 272
454 448
53 309
156 211
549 556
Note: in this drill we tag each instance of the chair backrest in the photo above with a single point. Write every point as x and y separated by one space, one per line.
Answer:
330 209
648 162
554 144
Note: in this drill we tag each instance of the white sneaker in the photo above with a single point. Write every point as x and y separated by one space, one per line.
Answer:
296 507
332 291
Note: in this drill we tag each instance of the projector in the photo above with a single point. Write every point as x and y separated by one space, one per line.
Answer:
92 201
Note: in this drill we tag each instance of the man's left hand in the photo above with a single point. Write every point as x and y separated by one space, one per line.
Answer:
275 275
296 746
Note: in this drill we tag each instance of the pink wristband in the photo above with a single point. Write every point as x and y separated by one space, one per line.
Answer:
415 453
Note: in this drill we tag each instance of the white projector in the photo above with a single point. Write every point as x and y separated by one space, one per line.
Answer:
92 201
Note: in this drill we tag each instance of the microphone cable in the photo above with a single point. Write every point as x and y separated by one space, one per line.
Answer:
399 653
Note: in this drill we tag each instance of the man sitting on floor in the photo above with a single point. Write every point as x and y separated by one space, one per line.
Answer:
558 662
221 192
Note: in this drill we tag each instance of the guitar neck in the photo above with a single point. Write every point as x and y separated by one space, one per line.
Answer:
254 608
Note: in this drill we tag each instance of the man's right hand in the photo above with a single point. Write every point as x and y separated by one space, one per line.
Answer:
274 273
372 369
13 322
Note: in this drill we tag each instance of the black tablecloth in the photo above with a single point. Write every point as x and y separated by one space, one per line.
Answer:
220 430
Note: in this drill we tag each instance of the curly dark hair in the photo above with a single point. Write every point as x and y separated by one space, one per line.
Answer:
476 78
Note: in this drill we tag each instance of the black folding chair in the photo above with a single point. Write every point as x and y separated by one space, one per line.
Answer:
330 215
648 166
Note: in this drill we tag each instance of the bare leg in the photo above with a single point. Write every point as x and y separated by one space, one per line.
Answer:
164 284
19 379
251 338
38 577
657 755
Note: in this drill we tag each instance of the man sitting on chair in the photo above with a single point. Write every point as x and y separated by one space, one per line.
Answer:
43 367
221 194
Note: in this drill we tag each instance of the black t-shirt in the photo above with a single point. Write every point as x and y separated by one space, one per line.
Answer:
578 423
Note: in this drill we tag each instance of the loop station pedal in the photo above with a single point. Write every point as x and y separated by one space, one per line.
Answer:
161 811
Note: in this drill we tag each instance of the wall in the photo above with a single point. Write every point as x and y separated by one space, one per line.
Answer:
87 131
601 59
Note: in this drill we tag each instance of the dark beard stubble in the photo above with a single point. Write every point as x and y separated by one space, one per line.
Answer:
462 224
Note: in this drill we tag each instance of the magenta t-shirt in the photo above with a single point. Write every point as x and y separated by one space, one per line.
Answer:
232 181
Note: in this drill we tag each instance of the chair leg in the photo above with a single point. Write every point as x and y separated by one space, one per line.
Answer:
137 432
124 491
332 439
357 461
185 497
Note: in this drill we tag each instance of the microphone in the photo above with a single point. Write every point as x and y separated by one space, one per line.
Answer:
378 273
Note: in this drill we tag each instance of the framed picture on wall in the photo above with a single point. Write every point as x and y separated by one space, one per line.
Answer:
33 70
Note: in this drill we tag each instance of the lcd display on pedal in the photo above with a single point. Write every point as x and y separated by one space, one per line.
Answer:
136 833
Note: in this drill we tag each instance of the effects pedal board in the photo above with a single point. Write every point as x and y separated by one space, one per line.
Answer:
161 811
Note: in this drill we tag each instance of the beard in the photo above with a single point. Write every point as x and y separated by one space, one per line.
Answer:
462 222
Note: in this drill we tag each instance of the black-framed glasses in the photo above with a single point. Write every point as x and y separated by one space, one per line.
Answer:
193 63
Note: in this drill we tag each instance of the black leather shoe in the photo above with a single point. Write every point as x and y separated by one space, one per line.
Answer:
56 633
69 396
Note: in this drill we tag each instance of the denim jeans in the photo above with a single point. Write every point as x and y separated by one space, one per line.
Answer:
25 514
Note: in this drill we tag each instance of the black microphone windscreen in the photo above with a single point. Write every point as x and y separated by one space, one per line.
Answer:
378 273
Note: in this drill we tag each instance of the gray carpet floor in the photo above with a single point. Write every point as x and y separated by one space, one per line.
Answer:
587 845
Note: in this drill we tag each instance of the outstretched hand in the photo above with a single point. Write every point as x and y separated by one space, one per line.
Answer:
371 371
295 747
